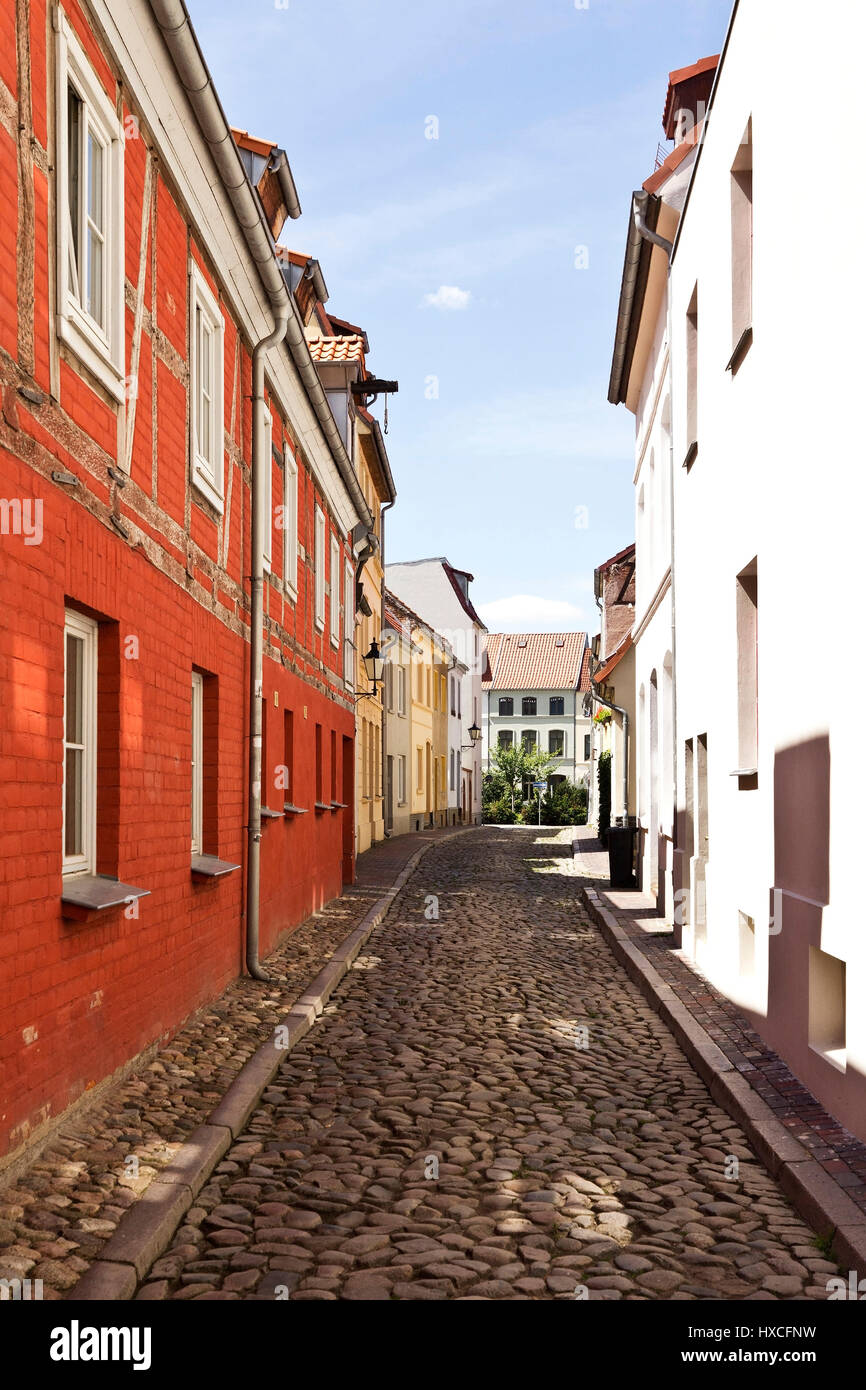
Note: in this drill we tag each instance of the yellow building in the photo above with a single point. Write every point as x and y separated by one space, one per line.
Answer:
377 484
432 659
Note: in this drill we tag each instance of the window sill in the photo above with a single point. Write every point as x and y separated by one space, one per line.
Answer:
268 814
747 778
744 342
320 806
339 805
290 810
90 351
691 454
204 867
203 485
86 894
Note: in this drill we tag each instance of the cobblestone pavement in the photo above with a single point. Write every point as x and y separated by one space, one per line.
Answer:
454 1047
56 1217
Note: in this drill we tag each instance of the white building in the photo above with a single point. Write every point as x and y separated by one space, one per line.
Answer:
748 331
441 593
534 690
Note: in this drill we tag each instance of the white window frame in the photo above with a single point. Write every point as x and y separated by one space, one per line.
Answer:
401 689
401 779
207 473
319 566
335 592
349 625
268 528
86 631
196 761
290 522
100 349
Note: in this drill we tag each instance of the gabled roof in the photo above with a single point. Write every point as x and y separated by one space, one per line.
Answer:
681 75
452 575
537 661
602 672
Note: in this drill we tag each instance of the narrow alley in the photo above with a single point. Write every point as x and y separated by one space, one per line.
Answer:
489 1109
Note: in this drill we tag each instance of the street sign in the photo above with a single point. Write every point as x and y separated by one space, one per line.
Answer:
539 786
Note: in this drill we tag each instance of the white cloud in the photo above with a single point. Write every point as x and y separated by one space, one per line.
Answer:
448 297
530 613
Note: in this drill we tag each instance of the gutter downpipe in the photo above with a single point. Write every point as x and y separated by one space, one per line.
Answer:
261 438
668 248
174 23
617 709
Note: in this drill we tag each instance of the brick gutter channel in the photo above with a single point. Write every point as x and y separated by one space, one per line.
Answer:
818 1198
143 1232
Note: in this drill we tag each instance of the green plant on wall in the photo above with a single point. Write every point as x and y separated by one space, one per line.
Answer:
603 795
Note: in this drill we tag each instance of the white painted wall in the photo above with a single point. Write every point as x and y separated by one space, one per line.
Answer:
779 475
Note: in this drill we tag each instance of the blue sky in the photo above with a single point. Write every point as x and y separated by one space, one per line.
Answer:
548 115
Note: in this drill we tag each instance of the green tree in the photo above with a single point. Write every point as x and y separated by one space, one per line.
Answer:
518 765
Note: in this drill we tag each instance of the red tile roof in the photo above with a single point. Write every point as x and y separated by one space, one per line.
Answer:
680 75
602 672
349 349
674 160
537 661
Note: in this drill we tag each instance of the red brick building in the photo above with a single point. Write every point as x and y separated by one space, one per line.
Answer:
141 418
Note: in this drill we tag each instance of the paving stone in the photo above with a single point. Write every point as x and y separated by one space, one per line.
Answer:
601 1167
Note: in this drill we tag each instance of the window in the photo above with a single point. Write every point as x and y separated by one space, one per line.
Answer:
268 519
401 779
197 761
206 388
557 704
454 695
401 690
429 688
747 673
692 380
587 747
388 674
333 765
556 743
289 753
459 698
506 705
290 522
319 768
451 761
741 249
419 781
90 308
529 704
529 738
506 738
79 745
319 564
349 625
335 592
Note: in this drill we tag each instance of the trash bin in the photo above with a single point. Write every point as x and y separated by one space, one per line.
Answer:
620 849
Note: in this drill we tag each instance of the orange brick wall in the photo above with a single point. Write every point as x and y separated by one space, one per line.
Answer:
78 999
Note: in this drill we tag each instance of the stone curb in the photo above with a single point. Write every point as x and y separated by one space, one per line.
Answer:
145 1229
818 1198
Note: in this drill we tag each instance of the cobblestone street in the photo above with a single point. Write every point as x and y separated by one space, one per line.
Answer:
489 1109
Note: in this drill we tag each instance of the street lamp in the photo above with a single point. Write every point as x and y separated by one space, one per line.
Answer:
374 665
474 734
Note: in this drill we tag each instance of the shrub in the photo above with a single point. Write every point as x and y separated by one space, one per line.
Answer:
603 795
566 804
499 812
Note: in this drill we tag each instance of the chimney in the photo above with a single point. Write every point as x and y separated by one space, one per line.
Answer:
688 94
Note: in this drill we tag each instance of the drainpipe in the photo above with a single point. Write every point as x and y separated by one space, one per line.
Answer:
640 201
261 443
